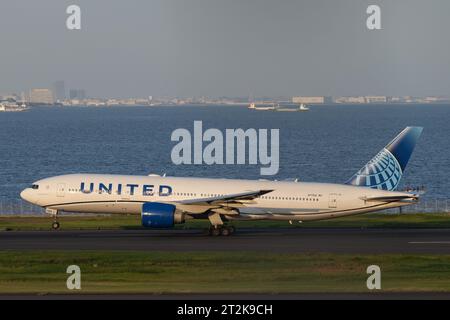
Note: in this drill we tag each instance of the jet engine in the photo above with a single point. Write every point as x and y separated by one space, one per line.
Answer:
160 215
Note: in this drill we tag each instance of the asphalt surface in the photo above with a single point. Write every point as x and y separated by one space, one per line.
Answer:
240 296
351 241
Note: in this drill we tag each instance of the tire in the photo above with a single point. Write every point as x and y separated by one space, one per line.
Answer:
55 225
215 232
225 232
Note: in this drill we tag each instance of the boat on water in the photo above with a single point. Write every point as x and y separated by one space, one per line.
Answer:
12 106
273 107
302 107
263 107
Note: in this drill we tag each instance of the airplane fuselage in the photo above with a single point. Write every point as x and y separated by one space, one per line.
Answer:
287 200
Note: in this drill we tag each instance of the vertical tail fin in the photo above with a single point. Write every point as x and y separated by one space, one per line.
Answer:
385 170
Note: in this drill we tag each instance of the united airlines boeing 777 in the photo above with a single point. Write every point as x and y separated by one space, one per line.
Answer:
165 201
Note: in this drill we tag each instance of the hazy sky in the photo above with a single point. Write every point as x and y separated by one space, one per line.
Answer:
227 47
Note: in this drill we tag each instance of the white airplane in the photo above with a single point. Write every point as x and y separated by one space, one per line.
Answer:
165 201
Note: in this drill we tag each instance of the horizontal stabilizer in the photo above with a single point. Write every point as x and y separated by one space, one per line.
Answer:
392 198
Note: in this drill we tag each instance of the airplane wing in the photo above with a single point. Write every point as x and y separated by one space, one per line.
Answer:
225 200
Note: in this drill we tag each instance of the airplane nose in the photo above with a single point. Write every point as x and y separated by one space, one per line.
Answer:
26 194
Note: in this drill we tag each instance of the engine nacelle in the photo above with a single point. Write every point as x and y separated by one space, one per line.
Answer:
160 215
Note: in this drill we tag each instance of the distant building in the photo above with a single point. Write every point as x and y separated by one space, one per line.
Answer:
73 94
142 102
44 96
310 100
376 99
112 102
77 94
94 102
328 100
350 100
60 90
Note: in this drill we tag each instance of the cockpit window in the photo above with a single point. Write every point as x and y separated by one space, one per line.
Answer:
35 186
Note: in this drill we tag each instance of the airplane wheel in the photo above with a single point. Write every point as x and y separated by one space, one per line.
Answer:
55 225
215 232
232 229
225 231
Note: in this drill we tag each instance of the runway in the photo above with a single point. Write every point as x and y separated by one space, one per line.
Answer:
239 296
299 240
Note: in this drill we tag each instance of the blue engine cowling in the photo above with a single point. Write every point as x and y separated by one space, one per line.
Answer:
160 215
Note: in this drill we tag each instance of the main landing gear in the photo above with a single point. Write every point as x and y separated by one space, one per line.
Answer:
218 228
222 230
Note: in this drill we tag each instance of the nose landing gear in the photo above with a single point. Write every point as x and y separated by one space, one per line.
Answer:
54 213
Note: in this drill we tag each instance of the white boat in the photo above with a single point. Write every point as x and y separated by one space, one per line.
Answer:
285 109
263 107
8 106
273 107
290 109
303 107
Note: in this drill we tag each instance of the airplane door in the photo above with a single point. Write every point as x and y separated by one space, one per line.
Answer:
332 202
60 191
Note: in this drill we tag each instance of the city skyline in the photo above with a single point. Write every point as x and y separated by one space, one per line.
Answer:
59 92
78 97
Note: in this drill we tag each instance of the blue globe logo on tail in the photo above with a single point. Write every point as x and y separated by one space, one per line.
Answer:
385 170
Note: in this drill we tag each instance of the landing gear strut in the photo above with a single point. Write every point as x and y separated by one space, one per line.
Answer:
54 213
